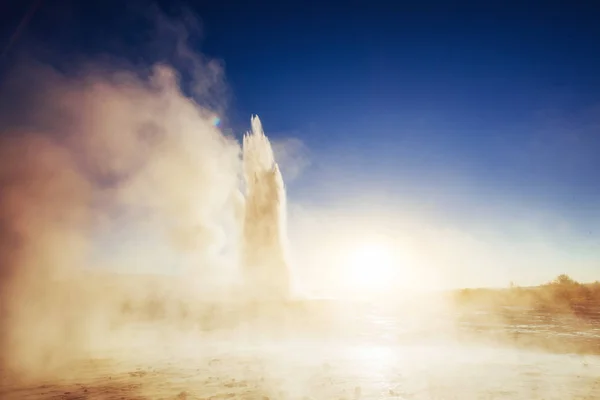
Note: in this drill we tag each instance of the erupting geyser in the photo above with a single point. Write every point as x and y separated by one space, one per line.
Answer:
264 247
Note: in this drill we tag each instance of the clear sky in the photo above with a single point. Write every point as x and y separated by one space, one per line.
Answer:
477 127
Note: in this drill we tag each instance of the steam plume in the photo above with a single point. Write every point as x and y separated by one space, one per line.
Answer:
88 157
264 233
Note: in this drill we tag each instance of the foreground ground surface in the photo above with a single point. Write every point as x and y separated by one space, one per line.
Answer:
159 363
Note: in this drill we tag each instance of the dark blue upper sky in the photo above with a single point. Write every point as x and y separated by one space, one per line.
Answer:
471 108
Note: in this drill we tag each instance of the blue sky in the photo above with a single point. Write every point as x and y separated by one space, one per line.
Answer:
482 117
507 97
485 120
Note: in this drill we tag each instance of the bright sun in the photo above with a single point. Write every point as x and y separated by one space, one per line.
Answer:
370 267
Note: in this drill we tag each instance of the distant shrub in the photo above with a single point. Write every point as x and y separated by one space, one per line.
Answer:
561 295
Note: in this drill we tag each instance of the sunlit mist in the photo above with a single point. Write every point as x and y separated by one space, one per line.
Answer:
370 266
150 247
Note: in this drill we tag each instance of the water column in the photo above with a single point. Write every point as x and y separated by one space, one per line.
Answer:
264 259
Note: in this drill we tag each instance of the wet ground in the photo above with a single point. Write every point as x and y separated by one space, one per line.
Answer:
514 354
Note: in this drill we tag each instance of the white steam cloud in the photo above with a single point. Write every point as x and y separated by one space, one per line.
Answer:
101 169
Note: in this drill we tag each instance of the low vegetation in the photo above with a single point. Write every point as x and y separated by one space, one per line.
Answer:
561 295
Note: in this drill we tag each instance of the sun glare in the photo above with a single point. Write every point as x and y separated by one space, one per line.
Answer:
370 266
